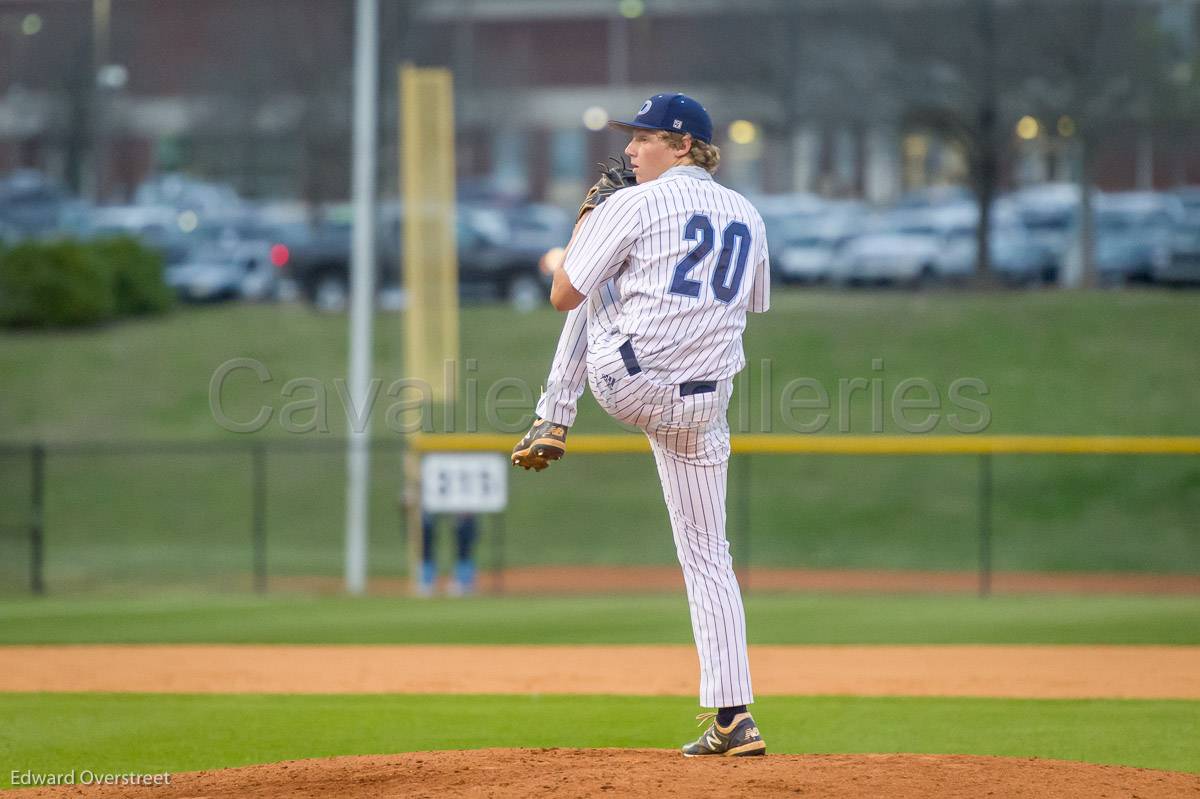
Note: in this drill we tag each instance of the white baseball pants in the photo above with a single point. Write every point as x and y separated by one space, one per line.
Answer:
690 439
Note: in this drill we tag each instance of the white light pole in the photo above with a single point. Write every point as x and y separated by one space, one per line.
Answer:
362 291
100 92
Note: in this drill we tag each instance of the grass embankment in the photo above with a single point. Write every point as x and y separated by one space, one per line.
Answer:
1054 362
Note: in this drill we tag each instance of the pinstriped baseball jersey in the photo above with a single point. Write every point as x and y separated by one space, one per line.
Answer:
669 269
568 370
688 258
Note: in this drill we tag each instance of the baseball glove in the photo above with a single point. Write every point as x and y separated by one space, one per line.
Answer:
613 178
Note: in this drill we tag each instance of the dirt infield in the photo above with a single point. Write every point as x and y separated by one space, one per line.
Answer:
1030 671
986 670
503 773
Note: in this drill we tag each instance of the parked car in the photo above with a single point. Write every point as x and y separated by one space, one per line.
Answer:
1050 213
319 262
251 246
155 226
954 225
1189 197
498 250
207 274
808 257
1183 265
786 217
808 246
184 193
1133 234
898 249
35 207
935 197
1015 256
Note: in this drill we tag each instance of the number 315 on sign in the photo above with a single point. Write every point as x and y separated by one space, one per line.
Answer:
464 483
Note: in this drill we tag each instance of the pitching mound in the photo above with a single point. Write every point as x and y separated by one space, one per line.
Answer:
659 773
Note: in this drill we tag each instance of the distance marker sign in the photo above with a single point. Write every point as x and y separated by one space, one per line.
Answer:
464 483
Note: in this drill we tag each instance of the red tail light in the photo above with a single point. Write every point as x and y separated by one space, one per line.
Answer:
280 255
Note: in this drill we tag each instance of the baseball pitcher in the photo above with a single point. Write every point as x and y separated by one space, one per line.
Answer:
657 279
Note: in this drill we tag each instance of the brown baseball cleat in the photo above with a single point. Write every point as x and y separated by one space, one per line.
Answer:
545 442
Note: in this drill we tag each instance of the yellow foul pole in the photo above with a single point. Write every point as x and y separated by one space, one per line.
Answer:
430 259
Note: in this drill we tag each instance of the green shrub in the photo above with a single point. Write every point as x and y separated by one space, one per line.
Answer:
66 283
137 276
59 284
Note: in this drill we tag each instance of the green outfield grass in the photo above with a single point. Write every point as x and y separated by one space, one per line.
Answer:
1054 362
154 733
140 732
773 619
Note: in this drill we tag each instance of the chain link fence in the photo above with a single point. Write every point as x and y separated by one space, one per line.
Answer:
270 516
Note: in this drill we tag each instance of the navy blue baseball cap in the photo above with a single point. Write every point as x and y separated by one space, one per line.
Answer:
675 113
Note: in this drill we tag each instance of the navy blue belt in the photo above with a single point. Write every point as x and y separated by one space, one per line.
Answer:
685 389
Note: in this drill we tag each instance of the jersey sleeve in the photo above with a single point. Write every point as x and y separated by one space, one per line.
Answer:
605 239
760 291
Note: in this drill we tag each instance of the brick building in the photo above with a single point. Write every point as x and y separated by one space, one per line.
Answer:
101 93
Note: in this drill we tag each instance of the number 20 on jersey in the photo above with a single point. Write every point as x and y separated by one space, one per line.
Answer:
735 246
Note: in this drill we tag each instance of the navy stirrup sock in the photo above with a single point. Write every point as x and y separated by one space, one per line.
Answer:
725 715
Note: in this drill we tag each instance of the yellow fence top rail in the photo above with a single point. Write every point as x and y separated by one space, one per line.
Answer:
756 444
